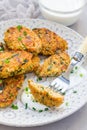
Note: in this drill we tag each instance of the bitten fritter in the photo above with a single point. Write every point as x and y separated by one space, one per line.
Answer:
10 89
16 63
55 65
22 38
51 42
45 95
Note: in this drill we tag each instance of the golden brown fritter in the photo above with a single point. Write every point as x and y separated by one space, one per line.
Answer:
51 42
45 95
22 38
55 65
10 89
16 63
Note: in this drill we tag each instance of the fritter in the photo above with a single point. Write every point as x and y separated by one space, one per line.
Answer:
45 95
10 89
51 42
54 65
16 63
22 38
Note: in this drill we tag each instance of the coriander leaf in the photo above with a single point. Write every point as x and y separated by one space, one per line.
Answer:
19 27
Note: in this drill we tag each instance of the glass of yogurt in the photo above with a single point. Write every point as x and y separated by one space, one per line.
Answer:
66 12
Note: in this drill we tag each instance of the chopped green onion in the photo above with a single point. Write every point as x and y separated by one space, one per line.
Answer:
11 95
46 109
67 104
39 78
25 60
34 108
7 61
76 67
19 38
40 111
19 27
63 93
49 67
25 33
26 105
81 75
15 107
74 91
42 88
26 89
72 71
0 81
1 49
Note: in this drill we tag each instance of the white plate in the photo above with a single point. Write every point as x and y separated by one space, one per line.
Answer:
73 101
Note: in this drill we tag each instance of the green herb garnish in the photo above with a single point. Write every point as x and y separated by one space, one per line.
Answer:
63 93
7 61
74 91
19 38
39 78
42 88
25 33
81 75
34 108
40 111
49 67
76 67
26 89
1 81
26 105
25 60
19 27
46 109
72 71
67 104
15 107
1 49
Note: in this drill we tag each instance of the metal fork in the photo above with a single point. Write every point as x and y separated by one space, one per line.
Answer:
62 83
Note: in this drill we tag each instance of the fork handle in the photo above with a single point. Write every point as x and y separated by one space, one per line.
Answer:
83 47
78 56
81 51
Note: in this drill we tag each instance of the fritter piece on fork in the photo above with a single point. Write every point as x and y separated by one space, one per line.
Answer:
54 65
45 95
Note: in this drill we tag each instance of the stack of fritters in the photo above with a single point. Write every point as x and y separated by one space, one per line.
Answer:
19 55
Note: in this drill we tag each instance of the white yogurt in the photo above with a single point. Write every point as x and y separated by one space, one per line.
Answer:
66 12
77 76
27 97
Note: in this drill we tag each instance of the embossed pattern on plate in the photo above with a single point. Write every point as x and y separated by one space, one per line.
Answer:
23 117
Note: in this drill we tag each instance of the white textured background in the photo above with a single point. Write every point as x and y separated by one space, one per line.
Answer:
10 9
